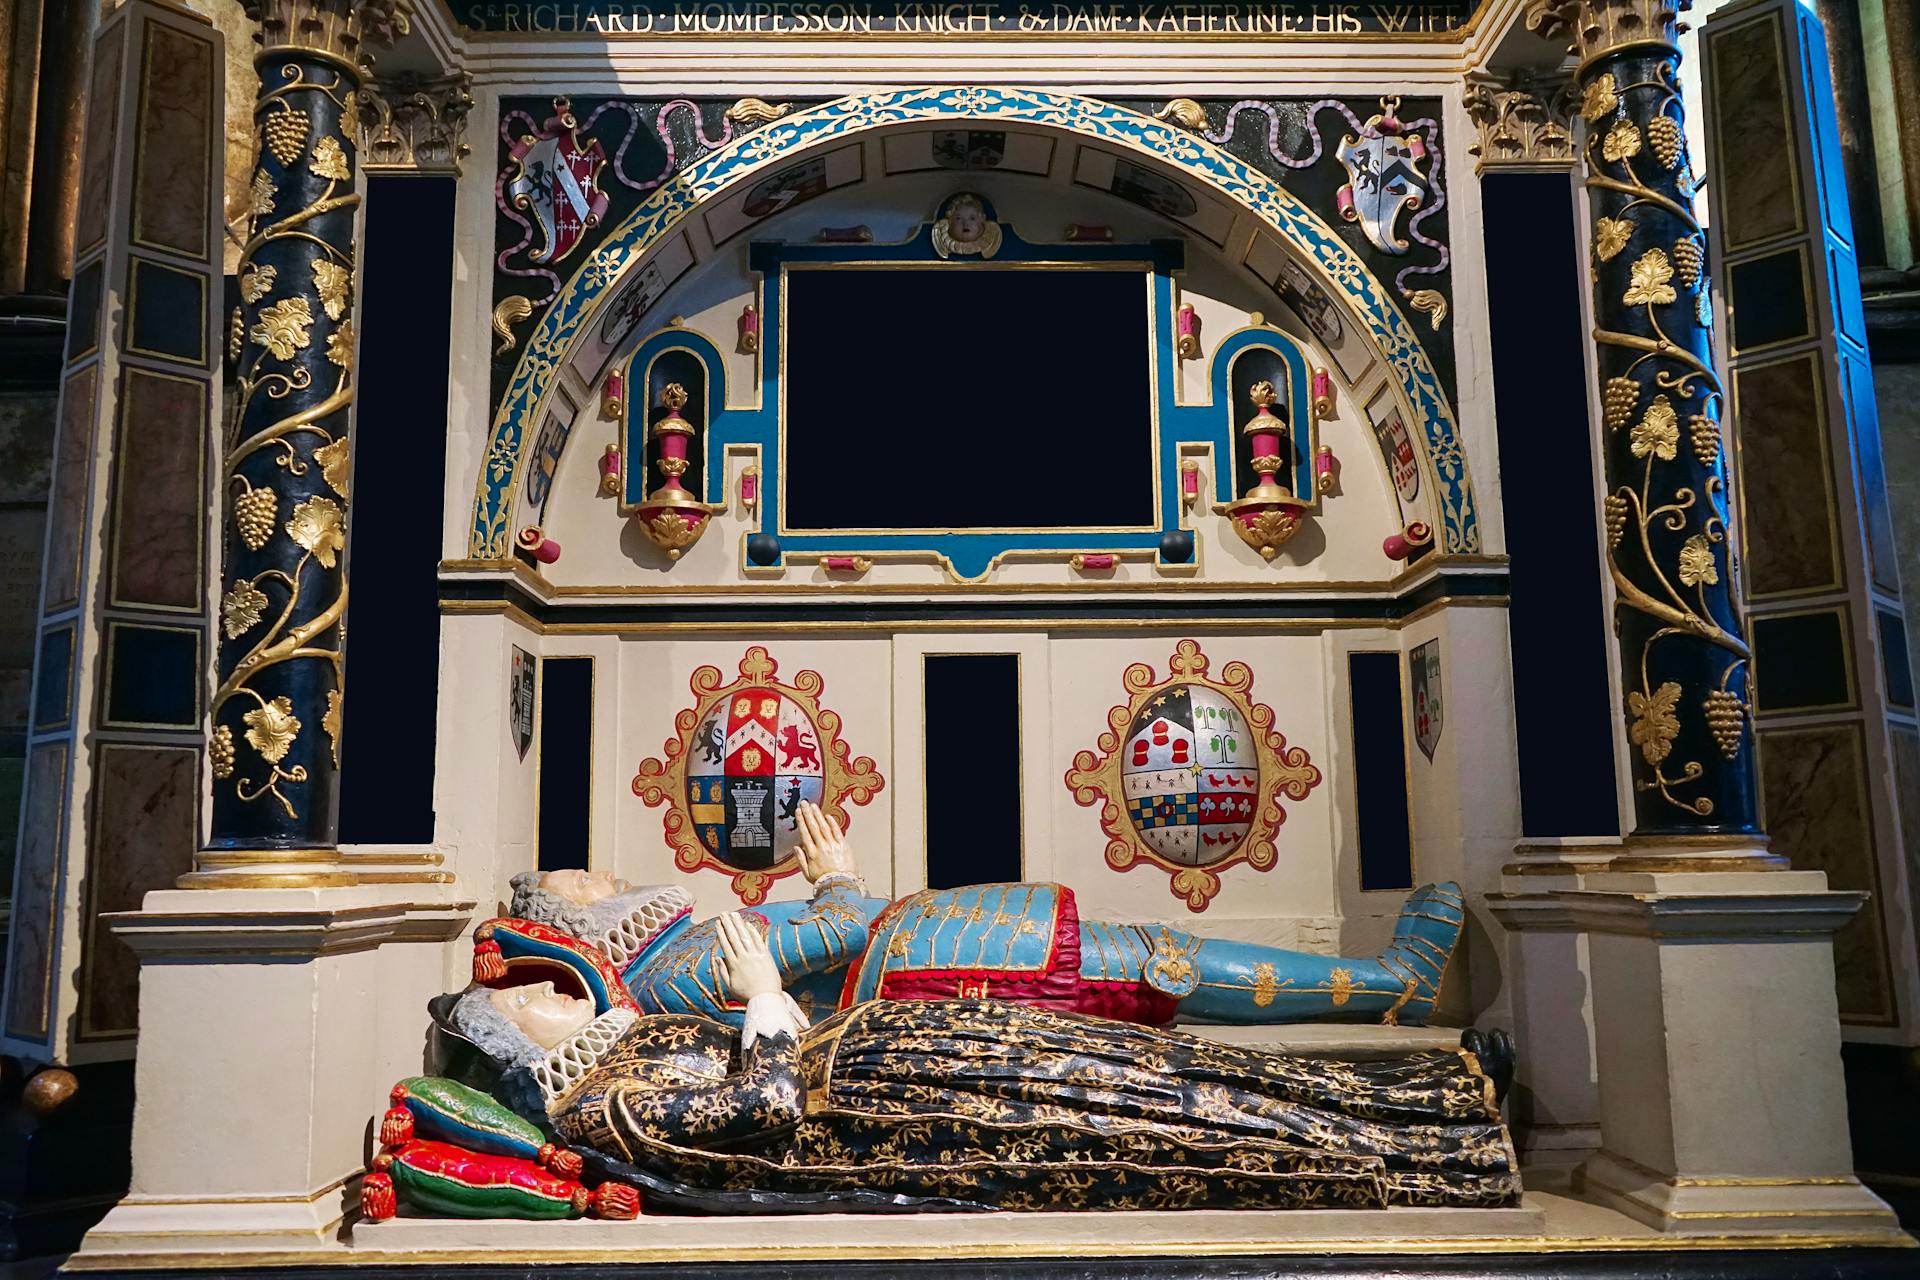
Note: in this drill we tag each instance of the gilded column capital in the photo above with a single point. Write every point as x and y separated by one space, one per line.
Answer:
414 124
1524 117
1597 28
345 32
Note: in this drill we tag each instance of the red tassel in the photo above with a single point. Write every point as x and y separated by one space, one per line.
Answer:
561 1161
398 1095
616 1201
489 966
377 1199
396 1127
581 1199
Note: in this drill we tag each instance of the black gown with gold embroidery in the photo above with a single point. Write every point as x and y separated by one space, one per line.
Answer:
981 1104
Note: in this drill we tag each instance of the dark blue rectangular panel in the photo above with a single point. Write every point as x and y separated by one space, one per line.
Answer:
1801 663
168 316
1894 655
1556 621
153 677
399 459
1380 771
53 694
972 731
566 761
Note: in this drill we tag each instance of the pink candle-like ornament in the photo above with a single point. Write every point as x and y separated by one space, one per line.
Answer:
749 330
610 471
538 545
845 564
671 516
1084 232
1189 482
1322 384
1188 323
1402 545
750 488
1268 515
1326 470
1094 561
613 397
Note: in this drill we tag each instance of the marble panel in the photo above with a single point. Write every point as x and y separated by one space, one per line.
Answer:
96 164
159 492
1813 784
145 825
30 961
26 444
67 503
23 536
1906 807
1786 487
1759 195
174 150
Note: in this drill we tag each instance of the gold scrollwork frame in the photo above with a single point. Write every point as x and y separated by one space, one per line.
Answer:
1096 778
846 780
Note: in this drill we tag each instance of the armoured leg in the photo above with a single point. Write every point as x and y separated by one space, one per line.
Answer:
1241 982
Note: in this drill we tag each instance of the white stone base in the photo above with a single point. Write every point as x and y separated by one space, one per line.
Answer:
1733 1206
1355 1040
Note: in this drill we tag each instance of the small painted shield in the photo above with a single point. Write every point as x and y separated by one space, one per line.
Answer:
520 699
558 185
1383 180
1397 448
1423 668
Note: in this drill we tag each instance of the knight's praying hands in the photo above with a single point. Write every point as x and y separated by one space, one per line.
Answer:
744 964
823 845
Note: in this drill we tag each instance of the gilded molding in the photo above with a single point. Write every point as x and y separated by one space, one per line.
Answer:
413 124
1597 28
1525 119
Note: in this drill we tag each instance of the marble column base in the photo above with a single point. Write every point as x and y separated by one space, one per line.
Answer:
1722 1105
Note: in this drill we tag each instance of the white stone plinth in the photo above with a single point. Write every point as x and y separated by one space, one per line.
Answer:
1723 1109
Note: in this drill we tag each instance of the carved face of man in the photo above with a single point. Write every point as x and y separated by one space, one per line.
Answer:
583 888
966 219
544 1014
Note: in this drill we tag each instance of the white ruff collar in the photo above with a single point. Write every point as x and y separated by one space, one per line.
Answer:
568 1062
640 926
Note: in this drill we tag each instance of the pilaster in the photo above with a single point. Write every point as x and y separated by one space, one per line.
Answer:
1839 738
112 792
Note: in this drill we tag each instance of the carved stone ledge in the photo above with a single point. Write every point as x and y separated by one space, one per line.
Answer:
343 31
1525 119
411 124
1593 28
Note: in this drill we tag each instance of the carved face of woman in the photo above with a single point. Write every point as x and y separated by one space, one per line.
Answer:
583 888
544 1014
966 220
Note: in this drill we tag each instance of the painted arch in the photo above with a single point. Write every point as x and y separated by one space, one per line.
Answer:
780 141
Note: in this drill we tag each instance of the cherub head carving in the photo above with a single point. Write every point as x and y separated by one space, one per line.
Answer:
966 229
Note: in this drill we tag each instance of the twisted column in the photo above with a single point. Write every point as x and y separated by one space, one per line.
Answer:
288 462
1686 664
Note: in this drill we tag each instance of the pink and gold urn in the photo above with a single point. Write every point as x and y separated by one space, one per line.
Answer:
1268 515
670 515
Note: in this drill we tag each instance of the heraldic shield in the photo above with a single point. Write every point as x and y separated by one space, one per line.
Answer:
744 757
1190 773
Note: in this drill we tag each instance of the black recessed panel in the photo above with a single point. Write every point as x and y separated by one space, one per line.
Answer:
154 676
399 460
1800 661
1769 300
55 688
83 311
973 768
1380 772
1557 621
566 761
169 312
969 397
1894 655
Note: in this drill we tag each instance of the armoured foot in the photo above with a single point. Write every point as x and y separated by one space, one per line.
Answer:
1423 942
